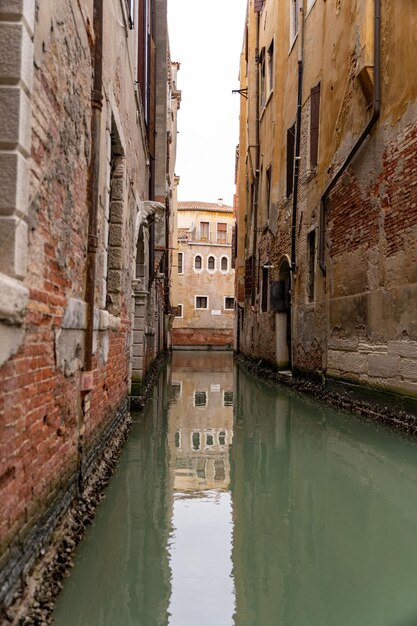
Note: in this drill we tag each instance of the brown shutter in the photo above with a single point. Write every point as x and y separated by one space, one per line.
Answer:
248 277
290 159
314 124
152 96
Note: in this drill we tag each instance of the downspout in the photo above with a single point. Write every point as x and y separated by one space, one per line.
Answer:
93 182
363 136
257 154
297 145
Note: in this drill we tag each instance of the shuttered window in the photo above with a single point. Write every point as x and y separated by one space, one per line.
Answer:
257 5
248 277
290 159
314 124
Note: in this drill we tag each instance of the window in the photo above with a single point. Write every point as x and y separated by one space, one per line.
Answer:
270 67
201 302
295 16
290 159
211 263
179 312
314 125
221 233
224 264
262 96
209 439
176 390
268 191
200 398
222 438
195 440
204 230
311 260
180 263
228 398
265 285
178 439
198 262
219 470
229 302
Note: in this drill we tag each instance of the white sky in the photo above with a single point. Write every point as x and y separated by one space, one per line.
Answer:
206 39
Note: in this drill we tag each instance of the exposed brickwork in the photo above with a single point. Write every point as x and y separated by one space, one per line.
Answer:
202 337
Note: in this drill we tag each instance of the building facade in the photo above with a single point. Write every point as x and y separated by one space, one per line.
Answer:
326 272
86 164
204 286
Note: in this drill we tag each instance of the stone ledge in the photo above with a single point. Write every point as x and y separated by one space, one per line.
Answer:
14 297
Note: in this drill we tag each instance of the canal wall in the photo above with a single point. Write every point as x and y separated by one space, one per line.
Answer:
397 411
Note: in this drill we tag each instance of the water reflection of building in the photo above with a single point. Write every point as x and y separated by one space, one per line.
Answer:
323 511
201 421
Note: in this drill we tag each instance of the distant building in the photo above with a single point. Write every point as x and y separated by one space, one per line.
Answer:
204 288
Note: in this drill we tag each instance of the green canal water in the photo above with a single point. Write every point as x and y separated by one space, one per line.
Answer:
237 503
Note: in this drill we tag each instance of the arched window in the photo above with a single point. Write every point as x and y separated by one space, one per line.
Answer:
224 264
211 263
198 263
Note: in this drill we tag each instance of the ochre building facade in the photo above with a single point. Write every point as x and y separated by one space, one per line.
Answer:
204 285
326 271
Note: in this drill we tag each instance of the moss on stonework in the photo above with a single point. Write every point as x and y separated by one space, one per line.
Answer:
136 387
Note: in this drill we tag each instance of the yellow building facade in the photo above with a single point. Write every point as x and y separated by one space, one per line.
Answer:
326 272
203 290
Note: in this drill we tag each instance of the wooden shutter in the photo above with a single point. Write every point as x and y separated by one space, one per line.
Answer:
290 159
248 277
314 124
152 98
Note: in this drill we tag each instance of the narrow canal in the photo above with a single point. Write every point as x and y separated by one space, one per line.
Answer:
237 503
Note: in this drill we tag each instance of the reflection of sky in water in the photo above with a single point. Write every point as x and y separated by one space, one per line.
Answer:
200 561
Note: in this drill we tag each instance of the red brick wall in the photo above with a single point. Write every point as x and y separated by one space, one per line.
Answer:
201 337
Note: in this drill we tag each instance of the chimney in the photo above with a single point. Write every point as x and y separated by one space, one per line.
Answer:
220 201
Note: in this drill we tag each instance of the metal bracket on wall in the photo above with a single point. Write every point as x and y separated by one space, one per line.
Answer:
243 92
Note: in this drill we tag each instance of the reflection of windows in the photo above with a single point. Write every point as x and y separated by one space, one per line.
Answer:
222 438
204 230
219 470
175 390
224 264
180 263
200 398
201 302
211 263
195 440
229 303
209 439
198 262
179 312
221 233
178 439
228 398
201 468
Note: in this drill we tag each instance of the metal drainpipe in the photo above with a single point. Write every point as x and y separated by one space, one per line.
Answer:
255 204
363 136
297 145
93 183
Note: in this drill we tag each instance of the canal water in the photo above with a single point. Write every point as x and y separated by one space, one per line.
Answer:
237 503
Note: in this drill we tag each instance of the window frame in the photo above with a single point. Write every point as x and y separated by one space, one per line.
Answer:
211 270
182 311
221 231
226 308
199 308
204 237
198 270
224 256
182 263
